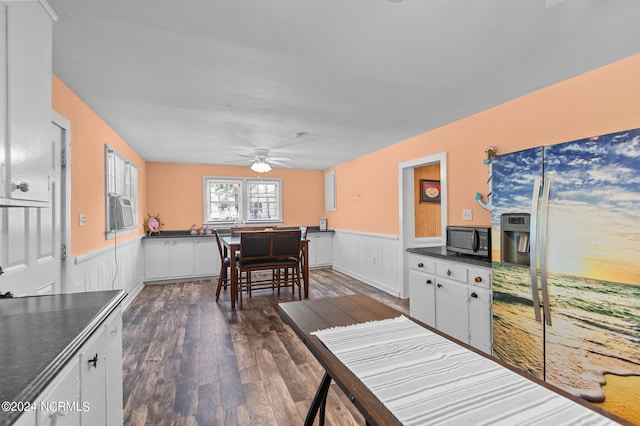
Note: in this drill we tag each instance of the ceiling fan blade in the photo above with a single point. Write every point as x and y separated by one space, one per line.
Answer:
279 159
279 164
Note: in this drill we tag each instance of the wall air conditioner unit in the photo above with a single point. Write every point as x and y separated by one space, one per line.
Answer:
120 212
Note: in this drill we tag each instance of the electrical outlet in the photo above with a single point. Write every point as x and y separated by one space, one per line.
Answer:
467 214
81 219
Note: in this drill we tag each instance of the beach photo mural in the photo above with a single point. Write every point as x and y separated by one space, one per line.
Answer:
592 348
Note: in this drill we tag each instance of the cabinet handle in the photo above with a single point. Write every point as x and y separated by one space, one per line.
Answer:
22 186
429 282
420 265
94 361
449 272
474 295
478 279
439 285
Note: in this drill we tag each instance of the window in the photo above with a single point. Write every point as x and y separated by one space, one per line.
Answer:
228 200
121 188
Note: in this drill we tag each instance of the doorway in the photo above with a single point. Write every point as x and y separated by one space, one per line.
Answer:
407 190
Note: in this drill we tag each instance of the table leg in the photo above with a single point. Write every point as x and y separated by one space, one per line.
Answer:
305 269
319 402
234 279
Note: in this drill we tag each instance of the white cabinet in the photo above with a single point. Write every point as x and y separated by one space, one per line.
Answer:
26 147
452 314
156 259
453 297
182 257
480 319
65 388
175 258
207 258
423 297
320 249
88 391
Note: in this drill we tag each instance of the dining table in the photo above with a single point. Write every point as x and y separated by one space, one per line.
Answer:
231 246
396 370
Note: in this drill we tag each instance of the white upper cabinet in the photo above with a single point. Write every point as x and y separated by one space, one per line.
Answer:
26 145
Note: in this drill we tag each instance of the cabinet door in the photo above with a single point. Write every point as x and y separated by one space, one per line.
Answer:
452 313
93 379
28 61
60 404
113 329
156 259
182 257
207 258
422 304
480 319
323 249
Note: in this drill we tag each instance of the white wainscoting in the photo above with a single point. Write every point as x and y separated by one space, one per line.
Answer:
119 266
375 259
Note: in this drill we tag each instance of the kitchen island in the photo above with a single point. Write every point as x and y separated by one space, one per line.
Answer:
43 338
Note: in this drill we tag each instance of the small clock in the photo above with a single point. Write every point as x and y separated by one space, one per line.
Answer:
152 224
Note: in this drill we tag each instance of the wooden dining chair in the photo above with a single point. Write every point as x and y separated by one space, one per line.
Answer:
236 230
264 251
225 263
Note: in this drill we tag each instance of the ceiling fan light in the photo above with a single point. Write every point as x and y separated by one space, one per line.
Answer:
260 167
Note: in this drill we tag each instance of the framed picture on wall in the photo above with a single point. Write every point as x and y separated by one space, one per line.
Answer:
429 191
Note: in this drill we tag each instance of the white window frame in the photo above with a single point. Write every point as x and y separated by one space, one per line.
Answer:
244 200
129 189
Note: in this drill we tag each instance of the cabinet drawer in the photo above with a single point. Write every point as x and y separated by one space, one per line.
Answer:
422 263
480 277
452 271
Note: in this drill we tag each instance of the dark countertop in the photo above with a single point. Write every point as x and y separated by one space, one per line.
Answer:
223 232
40 334
442 253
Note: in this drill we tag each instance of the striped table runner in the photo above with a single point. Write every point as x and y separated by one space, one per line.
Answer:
425 379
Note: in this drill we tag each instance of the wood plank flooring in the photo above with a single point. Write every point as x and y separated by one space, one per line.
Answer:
189 360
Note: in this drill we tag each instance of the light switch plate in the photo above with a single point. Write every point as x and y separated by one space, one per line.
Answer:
81 219
467 214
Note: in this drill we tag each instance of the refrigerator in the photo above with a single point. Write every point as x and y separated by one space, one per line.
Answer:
566 280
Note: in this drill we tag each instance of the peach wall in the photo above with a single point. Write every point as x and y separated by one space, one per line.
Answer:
89 134
602 101
175 192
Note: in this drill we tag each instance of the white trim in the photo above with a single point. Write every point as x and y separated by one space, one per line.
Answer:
93 254
49 9
65 209
367 234
406 207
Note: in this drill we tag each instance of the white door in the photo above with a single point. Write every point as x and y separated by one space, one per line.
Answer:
31 238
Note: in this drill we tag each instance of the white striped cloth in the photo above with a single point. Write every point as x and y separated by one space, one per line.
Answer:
425 379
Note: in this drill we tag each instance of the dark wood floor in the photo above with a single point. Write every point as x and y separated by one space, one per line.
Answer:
189 360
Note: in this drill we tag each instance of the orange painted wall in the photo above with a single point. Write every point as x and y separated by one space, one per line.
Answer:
89 134
175 191
602 101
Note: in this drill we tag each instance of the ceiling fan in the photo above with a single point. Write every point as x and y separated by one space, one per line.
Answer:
261 161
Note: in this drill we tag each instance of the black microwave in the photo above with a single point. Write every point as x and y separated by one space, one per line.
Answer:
469 240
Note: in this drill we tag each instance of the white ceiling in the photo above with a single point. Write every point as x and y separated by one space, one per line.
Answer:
203 81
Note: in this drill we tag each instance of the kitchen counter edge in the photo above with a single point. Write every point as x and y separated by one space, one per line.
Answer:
441 252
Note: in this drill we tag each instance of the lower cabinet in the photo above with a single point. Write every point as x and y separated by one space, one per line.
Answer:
453 297
175 258
320 249
88 391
